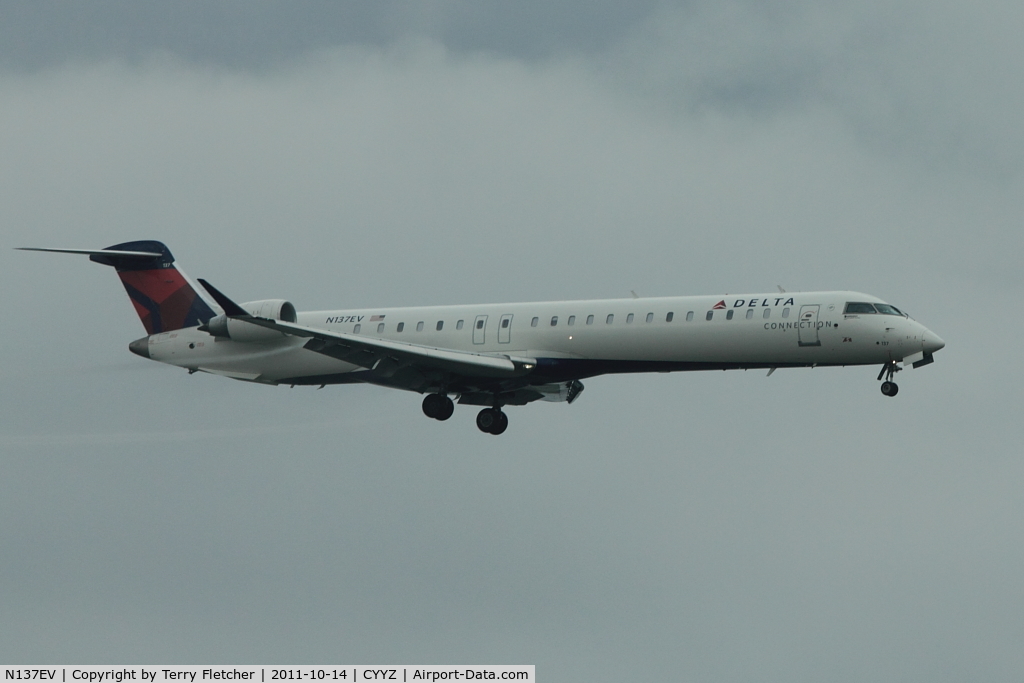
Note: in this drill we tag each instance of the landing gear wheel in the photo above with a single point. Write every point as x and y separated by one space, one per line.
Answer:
889 387
447 408
438 406
486 419
491 421
431 405
501 425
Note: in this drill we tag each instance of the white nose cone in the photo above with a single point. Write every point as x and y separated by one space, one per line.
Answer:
932 342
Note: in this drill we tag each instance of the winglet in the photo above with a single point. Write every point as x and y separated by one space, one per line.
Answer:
232 309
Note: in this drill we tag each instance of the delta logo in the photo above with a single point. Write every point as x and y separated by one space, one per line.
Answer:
720 305
740 303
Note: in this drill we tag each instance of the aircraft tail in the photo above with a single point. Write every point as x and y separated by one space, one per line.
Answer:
164 297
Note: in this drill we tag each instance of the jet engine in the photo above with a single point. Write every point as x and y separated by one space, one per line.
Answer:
275 309
241 331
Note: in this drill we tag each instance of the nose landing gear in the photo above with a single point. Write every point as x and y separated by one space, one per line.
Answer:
889 388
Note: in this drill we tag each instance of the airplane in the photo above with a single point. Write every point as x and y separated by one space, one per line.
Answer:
498 355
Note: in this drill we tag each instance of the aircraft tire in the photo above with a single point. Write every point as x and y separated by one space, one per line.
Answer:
487 419
438 406
445 408
431 405
501 425
890 388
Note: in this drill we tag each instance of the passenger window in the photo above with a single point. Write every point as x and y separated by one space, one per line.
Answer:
479 324
629 318
571 320
710 315
533 323
609 319
419 326
590 319
401 326
440 324
504 323
650 317
668 318
689 316
458 325
785 312
380 327
767 313
750 313
728 314
355 330
554 320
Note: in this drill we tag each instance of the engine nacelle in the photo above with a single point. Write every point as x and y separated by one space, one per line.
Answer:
241 331
275 309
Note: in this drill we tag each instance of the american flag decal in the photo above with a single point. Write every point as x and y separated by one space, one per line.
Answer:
376 318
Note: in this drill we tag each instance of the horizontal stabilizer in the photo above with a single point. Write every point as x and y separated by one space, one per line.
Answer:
98 252
127 256
163 296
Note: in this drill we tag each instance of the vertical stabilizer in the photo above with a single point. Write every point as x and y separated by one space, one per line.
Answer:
164 297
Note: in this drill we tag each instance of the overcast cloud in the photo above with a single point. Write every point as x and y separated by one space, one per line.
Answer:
702 526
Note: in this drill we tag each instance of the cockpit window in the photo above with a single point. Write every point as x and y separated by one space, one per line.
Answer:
887 309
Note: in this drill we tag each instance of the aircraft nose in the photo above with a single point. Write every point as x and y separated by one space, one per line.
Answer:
932 342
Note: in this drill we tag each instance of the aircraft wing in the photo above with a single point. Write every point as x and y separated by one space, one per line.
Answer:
385 356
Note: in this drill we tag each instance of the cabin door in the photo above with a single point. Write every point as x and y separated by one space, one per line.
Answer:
479 328
808 331
505 329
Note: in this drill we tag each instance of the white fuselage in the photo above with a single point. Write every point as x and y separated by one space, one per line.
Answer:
575 339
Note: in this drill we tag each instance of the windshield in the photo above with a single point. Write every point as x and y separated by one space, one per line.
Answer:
864 307
888 310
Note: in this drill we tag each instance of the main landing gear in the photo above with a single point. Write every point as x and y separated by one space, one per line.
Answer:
438 406
492 421
889 388
489 420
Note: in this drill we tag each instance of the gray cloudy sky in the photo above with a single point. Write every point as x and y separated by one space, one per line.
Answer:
705 526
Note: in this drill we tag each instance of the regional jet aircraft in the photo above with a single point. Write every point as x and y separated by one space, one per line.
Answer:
497 355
